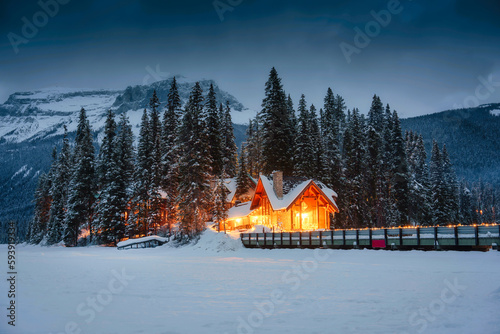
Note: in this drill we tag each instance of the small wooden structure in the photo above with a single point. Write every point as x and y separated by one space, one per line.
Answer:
145 242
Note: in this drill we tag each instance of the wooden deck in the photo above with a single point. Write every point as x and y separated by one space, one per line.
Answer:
481 237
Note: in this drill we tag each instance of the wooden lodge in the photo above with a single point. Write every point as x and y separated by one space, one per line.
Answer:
285 204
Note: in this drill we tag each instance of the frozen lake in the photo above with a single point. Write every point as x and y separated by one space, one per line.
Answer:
217 286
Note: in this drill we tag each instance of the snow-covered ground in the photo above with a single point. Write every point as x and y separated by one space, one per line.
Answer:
216 286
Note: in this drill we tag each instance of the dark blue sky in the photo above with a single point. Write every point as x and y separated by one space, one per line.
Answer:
431 56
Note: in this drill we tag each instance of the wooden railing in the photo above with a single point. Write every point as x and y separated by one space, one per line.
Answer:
439 237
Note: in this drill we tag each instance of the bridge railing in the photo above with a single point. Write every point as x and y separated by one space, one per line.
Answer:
407 237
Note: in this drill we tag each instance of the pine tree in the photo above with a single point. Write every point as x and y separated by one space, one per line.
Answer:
419 208
253 148
304 156
376 114
194 167
81 194
386 193
465 204
156 177
400 171
340 109
220 195
59 193
293 118
171 148
354 198
139 220
373 175
317 145
109 208
451 187
124 146
38 225
277 137
243 181
213 131
333 117
437 187
229 148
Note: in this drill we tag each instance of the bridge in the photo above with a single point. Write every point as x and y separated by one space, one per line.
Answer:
459 237
144 242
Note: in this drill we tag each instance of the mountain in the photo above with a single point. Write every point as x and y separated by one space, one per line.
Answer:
31 124
472 137
32 116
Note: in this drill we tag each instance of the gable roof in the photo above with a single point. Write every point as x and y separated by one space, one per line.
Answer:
293 188
231 185
240 210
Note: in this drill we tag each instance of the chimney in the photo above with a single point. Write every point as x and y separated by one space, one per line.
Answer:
278 183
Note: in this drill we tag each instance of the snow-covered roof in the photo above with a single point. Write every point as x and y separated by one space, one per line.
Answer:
231 186
293 189
328 192
240 210
138 240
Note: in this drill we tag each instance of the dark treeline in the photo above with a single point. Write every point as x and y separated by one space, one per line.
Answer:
122 191
174 177
383 176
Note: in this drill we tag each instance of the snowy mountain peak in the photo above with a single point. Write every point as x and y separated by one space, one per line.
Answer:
34 115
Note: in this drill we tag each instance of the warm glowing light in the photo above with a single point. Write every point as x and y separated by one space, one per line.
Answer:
84 233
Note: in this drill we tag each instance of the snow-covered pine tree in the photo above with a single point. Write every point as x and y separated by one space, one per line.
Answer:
339 113
229 148
293 117
418 193
373 175
156 177
81 193
213 131
291 124
59 192
220 195
43 201
171 151
194 168
374 168
305 151
277 137
253 148
243 181
106 150
38 225
438 187
387 152
138 220
354 198
109 208
319 167
451 187
124 146
376 114
330 129
465 204
400 171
